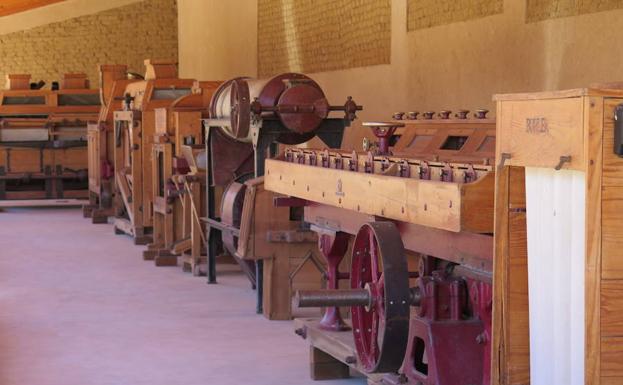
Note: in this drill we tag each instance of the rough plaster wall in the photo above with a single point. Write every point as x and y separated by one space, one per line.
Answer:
429 13
457 65
322 35
218 38
124 35
538 10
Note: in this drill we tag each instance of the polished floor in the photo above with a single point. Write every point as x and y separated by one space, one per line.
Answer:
78 306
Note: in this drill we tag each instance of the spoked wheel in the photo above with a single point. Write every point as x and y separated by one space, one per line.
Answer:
232 204
379 266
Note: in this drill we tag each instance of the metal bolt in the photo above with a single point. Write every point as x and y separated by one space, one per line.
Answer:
301 332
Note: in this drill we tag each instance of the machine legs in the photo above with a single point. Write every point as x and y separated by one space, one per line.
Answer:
213 239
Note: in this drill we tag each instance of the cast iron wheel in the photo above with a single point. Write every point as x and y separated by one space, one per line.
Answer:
379 265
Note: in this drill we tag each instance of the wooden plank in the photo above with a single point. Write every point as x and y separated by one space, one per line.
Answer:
612 357
612 233
43 202
72 158
339 345
559 94
477 205
593 134
146 140
323 366
538 132
612 308
511 342
25 160
429 203
611 380
124 226
124 190
182 246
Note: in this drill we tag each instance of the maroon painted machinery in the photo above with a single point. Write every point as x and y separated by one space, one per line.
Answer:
419 203
249 120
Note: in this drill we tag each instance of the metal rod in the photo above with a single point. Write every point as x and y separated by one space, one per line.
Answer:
335 297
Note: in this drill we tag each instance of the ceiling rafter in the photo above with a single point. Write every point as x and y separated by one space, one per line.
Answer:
9 7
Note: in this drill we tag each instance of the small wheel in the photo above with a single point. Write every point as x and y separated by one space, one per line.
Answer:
379 265
240 108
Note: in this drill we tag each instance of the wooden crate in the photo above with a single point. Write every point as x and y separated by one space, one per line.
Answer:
568 130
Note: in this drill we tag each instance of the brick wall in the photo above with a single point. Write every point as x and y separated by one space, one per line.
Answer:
429 13
537 10
124 35
322 35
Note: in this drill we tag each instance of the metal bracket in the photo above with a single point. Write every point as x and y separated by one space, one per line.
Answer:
563 159
503 158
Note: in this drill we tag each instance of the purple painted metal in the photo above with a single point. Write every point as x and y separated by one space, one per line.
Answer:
333 247
445 343
379 265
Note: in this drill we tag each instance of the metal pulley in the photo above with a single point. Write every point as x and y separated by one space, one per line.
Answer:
240 108
294 100
380 297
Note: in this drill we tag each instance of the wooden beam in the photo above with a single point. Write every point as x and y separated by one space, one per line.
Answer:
9 7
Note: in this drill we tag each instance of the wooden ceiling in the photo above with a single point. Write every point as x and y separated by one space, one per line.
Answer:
9 7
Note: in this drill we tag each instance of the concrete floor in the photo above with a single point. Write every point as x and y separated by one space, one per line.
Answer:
78 306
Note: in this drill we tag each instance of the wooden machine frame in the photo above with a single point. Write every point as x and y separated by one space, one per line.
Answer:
114 80
59 159
134 133
176 200
432 178
562 130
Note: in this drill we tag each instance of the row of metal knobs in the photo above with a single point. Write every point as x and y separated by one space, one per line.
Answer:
445 114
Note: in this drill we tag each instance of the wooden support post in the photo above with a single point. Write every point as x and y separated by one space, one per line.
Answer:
323 366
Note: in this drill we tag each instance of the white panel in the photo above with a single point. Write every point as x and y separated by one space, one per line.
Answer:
555 220
24 134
